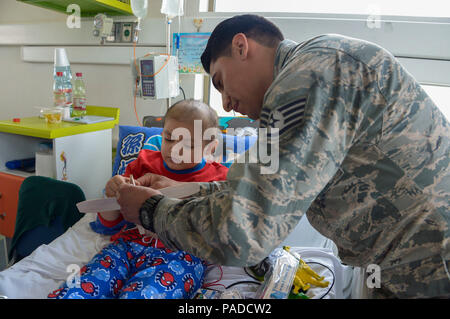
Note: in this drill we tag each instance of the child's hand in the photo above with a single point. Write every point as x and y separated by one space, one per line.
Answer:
112 186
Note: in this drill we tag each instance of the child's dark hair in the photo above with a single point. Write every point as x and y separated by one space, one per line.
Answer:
193 110
253 26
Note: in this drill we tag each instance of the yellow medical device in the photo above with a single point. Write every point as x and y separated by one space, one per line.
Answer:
305 276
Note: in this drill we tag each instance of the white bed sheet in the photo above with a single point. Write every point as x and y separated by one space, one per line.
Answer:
47 267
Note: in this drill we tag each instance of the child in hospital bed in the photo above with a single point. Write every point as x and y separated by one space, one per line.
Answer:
139 266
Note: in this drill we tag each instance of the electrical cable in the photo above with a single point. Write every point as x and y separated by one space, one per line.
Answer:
135 111
250 275
184 95
243 282
215 283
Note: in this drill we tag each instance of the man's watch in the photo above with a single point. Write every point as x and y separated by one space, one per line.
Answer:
147 211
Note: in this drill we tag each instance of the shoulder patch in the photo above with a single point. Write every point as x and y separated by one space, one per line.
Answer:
284 117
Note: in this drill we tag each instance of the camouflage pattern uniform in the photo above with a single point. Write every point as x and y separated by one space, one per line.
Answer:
363 151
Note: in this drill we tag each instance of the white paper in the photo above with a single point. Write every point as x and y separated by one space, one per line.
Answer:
110 204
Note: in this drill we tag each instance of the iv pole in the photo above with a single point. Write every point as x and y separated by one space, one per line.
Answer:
168 23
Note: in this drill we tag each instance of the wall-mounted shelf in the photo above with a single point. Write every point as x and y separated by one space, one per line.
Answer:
89 8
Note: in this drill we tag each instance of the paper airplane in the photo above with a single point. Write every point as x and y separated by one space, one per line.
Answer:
110 204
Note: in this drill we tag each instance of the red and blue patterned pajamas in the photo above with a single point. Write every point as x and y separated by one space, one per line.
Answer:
136 269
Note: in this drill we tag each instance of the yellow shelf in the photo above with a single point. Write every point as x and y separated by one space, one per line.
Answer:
37 127
88 8
116 5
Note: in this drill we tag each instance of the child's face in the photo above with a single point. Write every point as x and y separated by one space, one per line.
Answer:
180 148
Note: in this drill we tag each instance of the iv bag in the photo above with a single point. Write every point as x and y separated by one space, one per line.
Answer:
172 8
139 8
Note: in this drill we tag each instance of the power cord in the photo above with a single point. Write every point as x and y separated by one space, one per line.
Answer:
249 274
184 95
243 282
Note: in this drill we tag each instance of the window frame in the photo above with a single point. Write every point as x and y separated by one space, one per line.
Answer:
422 44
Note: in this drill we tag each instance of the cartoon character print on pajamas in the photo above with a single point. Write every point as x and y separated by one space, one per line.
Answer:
116 286
187 258
188 283
108 262
140 261
166 280
157 261
90 288
135 286
130 271
58 293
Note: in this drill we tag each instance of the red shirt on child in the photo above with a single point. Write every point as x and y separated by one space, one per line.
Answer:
149 161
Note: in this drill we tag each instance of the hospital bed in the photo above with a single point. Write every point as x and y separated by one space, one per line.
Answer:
50 265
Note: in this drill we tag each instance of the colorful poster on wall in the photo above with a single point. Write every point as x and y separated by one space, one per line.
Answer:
189 48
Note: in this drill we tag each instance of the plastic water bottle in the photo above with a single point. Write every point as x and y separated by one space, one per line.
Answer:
66 71
67 89
79 96
58 91
62 65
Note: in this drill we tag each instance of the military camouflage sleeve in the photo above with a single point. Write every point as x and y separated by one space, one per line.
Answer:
312 104
209 188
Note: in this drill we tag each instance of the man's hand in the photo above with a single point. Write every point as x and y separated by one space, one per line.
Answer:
157 181
112 186
131 198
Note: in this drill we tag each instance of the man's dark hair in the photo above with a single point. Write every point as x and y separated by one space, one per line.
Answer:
253 26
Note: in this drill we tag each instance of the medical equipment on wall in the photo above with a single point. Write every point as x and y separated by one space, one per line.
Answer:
102 27
156 76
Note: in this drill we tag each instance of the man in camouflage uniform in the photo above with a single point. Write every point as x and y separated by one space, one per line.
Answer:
363 151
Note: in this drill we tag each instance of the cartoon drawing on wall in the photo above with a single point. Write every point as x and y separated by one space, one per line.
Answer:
64 170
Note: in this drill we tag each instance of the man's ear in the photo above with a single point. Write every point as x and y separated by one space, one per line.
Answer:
239 46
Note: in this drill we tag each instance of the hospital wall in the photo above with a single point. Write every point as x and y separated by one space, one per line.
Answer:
25 85
28 35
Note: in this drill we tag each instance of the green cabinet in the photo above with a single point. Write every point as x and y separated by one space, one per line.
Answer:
88 8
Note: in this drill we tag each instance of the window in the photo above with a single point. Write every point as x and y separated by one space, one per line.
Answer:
416 32
441 97
432 8
439 94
